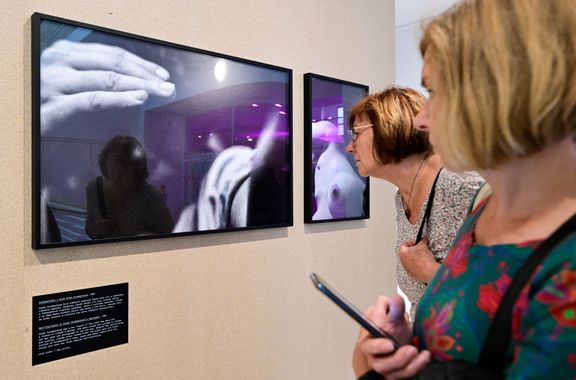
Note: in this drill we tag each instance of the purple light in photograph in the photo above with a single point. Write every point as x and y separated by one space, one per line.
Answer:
220 128
328 101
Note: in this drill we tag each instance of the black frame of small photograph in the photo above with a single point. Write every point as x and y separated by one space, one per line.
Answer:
138 138
338 192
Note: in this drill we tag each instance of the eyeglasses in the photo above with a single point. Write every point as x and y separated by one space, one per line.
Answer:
354 134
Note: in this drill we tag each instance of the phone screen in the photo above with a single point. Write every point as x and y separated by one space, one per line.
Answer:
351 310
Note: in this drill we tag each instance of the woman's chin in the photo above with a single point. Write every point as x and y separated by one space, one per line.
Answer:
362 172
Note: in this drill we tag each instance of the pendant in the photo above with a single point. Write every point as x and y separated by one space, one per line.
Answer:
407 213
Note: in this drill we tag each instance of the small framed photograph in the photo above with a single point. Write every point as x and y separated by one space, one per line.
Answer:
138 138
333 189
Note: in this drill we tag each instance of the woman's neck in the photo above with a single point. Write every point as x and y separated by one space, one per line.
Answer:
403 173
531 197
413 176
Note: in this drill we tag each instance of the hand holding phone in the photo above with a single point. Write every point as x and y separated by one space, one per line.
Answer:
351 310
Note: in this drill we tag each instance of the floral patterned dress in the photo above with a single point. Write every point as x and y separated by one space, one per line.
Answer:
457 307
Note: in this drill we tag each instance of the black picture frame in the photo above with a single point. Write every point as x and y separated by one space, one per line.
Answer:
138 138
338 192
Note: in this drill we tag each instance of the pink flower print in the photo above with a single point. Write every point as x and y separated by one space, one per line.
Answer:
491 294
565 314
435 327
445 316
457 259
561 296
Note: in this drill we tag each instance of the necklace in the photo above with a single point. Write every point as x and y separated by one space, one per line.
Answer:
407 208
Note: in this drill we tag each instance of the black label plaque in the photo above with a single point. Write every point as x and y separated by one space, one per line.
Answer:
79 321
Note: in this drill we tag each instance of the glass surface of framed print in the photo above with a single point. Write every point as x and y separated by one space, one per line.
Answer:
137 138
333 189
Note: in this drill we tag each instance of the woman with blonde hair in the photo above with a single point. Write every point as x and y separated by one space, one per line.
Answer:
502 101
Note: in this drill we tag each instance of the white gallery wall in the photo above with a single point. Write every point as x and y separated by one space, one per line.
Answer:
411 15
220 306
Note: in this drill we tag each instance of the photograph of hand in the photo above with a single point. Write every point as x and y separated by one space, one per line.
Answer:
83 77
139 138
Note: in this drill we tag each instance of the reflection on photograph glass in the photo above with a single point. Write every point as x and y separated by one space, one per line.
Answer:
334 190
137 138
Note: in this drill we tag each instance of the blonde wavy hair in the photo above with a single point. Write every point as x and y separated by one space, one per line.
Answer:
506 74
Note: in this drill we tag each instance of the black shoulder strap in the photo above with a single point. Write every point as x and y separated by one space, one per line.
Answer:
428 208
494 353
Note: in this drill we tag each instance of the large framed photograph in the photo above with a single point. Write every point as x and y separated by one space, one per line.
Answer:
137 138
333 189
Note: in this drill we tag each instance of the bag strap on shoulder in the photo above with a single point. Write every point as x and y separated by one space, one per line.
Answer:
482 194
494 353
428 207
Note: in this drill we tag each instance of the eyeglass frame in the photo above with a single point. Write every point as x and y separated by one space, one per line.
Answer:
352 131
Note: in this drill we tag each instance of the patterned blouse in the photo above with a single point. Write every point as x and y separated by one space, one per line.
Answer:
455 312
454 194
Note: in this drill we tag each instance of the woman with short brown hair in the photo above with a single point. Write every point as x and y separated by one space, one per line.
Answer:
386 145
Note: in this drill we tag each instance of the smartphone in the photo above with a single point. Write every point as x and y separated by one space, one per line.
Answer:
351 310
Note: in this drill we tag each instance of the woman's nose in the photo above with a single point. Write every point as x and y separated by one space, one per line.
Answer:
350 147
